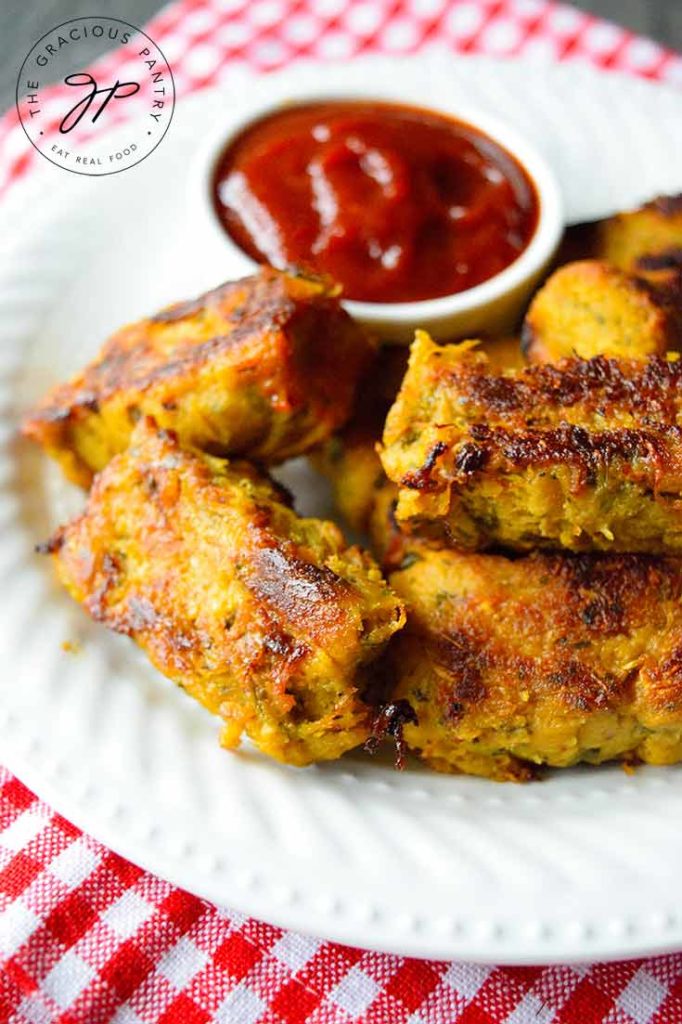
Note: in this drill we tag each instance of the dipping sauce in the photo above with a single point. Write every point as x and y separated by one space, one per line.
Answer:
396 203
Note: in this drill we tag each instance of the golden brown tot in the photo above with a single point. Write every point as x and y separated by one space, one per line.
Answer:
652 230
551 659
584 455
264 368
269 620
590 308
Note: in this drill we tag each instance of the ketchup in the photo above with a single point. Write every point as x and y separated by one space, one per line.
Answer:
396 203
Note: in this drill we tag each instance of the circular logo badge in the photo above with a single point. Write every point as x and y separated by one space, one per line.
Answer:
67 110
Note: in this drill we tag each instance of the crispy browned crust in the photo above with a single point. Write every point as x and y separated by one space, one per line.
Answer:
597 441
267 619
264 367
350 459
547 659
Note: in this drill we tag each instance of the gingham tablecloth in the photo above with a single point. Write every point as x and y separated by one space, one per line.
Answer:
86 937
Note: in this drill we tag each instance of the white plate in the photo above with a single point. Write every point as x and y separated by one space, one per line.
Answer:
584 865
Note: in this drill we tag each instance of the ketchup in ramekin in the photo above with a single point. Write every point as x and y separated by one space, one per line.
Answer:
398 204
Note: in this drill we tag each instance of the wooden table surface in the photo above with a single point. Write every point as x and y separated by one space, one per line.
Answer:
22 22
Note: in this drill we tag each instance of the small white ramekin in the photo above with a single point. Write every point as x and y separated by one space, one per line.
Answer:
492 307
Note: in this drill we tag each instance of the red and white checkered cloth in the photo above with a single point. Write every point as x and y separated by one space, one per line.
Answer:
86 937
